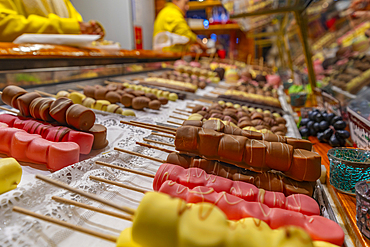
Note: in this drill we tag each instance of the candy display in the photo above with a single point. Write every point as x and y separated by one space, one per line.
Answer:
192 178
171 84
301 165
326 126
10 174
76 116
250 98
242 117
33 148
53 133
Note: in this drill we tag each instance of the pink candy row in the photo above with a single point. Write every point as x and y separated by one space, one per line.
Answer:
49 132
193 177
318 227
33 148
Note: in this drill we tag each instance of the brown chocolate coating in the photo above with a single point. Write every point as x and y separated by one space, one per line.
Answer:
215 125
80 117
141 102
187 139
89 91
195 123
244 124
279 155
154 104
58 109
299 143
231 130
197 108
280 120
231 148
10 95
24 102
257 115
252 134
100 136
39 109
255 154
113 97
208 142
273 138
100 93
126 99
151 96
306 166
138 93
163 100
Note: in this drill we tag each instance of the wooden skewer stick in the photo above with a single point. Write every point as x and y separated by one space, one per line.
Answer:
46 94
154 147
66 224
124 169
9 110
158 134
171 122
155 126
180 113
190 107
92 208
80 87
150 128
183 110
86 194
161 143
179 118
71 90
118 184
140 155
215 92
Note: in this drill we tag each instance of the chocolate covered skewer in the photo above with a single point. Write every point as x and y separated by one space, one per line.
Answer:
268 180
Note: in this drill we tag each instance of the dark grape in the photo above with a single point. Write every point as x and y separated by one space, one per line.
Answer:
309 115
324 125
304 121
324 112
324 115
319 117
313 132
316 126
313 116
320 136
304 132
310 124
327 134
333 141
343 133
316 110
329 117
335 119
339 125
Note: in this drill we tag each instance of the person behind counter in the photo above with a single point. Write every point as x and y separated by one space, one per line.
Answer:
40 16
171 31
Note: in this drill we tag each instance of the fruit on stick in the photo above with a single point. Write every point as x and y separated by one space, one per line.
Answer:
10 174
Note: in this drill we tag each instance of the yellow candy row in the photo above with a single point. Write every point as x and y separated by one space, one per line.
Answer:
164 221
10 174
157 92
102 105
250 109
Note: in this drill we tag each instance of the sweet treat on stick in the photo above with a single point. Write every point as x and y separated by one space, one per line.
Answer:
10 95
154 104
89 91
88 102
113 108
40 107
299 143
128 113
100 136
306 166
24 102
113 97
139 103
58 109
101 105
61 154
62 94
164 221
100 93
76 97
232 149
10 174
194 177
80 117
126 99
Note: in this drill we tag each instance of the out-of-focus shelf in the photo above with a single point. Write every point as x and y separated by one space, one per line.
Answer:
204 4
218 27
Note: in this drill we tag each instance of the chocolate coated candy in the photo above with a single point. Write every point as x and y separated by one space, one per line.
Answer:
208 142
58 109
89 91
195 123
113 97
80 117
279 155
126 99
232 148
179 159
187 139
215 125
306 166
255 154
155 104
10 95
140 103
24 102
299 143
100 136
100 93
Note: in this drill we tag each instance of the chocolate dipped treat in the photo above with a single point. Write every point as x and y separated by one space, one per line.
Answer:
10 95
39 109
80 117
24 102
58 109
100 136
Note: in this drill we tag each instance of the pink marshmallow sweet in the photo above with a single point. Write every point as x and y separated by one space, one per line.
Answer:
20 143
6 136
62 154
38 150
